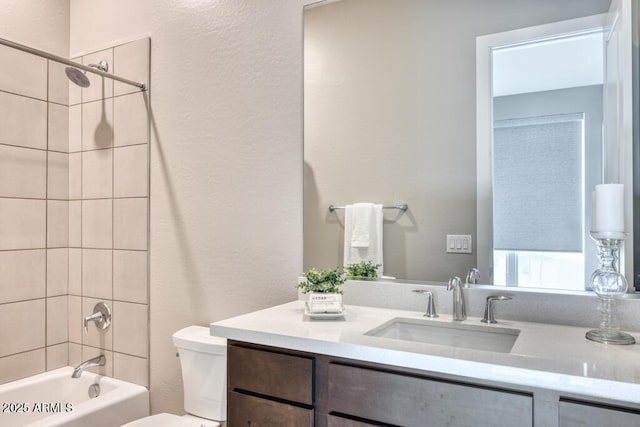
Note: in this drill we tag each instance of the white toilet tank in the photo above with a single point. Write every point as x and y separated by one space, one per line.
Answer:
204 372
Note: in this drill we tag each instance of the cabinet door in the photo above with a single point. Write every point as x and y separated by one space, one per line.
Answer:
279 375
581 414
334 421
411 401
251 411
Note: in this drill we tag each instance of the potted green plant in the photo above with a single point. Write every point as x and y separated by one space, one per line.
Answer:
324 290
362 270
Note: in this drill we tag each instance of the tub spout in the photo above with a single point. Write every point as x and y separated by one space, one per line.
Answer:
96 361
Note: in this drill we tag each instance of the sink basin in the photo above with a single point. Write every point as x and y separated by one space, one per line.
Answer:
463 335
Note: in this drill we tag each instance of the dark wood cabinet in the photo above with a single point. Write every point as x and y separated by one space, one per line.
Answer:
275 387
407 400
268 388
279 375
251 411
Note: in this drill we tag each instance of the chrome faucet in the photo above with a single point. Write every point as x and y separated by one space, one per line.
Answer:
459 307
489 316
96 361
431 305
472 277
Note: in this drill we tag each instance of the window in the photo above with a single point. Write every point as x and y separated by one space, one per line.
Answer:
538 206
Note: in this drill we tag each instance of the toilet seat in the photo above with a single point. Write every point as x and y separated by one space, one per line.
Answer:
171 420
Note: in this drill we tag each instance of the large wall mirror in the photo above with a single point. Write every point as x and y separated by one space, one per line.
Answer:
390 117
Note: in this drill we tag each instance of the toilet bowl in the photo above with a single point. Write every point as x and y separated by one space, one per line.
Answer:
203 360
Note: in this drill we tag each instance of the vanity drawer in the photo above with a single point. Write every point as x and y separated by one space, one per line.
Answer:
245 410
400 399
574 413
334 421
278 375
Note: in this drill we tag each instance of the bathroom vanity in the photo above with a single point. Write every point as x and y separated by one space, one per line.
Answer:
366 369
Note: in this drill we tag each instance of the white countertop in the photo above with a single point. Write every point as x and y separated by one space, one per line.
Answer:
546 356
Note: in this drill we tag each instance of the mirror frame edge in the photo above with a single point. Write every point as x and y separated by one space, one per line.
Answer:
635 42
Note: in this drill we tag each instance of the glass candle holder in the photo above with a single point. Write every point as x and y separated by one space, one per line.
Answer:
609 285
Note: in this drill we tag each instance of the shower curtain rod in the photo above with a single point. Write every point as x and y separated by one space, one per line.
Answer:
65 61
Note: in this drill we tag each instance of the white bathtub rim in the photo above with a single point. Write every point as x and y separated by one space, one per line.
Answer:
67 371
123 391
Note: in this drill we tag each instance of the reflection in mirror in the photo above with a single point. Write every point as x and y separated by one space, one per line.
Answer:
390 117
541 149
546 151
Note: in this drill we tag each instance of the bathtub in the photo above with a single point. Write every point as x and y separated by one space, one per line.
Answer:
55 399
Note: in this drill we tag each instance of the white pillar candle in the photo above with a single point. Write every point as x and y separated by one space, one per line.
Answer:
594 218
609 208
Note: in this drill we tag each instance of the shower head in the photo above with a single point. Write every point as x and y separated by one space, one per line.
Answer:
80 77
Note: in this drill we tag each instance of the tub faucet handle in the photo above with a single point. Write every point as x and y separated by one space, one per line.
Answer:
101 316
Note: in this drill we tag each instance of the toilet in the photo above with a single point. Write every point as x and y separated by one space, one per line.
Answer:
203 359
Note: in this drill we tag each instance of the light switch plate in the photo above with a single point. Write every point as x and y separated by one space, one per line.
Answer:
459 244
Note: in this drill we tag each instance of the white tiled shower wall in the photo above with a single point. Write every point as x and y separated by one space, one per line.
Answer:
73 214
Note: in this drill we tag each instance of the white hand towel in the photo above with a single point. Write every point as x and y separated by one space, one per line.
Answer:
361 214
372 252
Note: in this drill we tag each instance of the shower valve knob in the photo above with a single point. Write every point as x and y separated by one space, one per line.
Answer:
101 316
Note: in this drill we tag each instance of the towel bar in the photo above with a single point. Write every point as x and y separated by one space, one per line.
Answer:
402 206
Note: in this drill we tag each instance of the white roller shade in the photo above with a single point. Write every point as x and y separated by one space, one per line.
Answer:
537 183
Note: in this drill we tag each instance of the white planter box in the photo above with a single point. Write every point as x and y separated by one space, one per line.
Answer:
324 303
